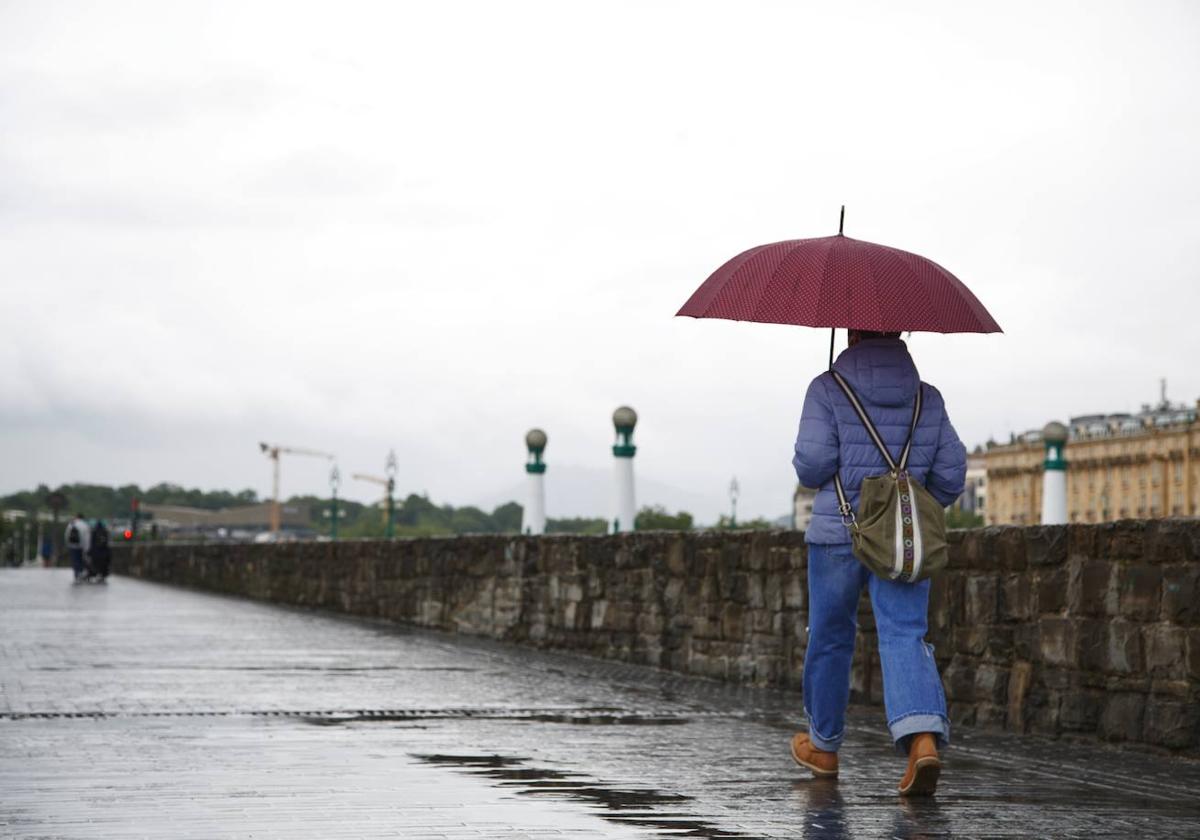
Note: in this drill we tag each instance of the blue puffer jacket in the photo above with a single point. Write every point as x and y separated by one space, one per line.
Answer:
883 375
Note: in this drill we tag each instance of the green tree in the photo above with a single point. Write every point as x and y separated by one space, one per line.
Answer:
959 518
656 518
471 520
416 516
724 523
97 501
577 525
508 517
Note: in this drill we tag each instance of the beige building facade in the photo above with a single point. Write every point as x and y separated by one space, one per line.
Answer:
1119 466
802 507
974 495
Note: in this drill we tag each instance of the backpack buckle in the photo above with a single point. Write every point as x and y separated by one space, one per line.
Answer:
847 514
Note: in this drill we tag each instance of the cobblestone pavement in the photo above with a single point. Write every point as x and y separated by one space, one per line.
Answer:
136 710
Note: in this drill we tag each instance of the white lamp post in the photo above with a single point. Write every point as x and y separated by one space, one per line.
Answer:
1054 480
624 419
533 518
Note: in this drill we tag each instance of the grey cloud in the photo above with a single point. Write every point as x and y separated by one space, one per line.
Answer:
323 172
58 102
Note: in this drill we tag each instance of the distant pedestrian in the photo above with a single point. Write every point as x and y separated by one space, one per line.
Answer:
78 540
47 551
100 552
834 441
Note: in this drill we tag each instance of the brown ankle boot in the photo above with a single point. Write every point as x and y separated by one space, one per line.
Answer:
823 763
924 766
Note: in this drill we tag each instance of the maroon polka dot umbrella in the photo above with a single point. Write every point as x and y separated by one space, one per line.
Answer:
839 282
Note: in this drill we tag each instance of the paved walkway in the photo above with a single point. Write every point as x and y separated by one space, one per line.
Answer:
137 710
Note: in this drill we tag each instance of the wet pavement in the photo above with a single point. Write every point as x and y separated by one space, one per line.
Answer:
137 710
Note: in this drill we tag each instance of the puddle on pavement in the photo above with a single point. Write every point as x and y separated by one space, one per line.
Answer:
325 669
582 717
607 720
619 805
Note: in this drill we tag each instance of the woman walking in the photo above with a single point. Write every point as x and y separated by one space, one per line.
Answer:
833 441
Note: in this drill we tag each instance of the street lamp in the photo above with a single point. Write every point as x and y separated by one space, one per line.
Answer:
1054 476
391 468
534 514
624 420
335 478
734 490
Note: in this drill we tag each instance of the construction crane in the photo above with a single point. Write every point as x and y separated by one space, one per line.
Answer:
273 451
390 483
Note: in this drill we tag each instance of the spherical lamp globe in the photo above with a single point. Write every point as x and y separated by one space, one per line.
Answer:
535 439
625 418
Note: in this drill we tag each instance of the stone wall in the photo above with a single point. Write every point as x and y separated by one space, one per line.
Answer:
1079 629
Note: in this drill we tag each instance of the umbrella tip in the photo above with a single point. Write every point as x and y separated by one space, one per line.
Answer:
842 220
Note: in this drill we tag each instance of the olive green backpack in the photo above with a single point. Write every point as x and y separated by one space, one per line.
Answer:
899 531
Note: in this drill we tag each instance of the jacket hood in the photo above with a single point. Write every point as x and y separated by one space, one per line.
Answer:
880 371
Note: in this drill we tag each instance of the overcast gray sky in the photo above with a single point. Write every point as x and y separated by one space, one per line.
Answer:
430 226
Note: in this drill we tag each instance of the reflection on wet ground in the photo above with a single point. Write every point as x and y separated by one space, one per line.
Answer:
620 805
576 717
827 817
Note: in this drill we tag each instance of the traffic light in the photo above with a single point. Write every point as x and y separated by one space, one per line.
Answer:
128 534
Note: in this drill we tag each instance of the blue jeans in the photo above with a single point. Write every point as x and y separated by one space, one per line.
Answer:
912 689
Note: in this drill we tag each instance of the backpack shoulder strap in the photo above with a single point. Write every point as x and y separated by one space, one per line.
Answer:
866 420
912 429
847 513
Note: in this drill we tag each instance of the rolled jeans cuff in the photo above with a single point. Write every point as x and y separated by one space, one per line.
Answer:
826 744
903 728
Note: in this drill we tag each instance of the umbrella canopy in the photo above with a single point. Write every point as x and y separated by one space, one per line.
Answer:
836 281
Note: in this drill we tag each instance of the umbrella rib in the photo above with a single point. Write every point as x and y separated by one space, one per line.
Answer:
877 297
922 283
827 286
763 287
735 276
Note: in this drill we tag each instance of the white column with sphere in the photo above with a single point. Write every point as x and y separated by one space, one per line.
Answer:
624 509
1054 479
533 517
